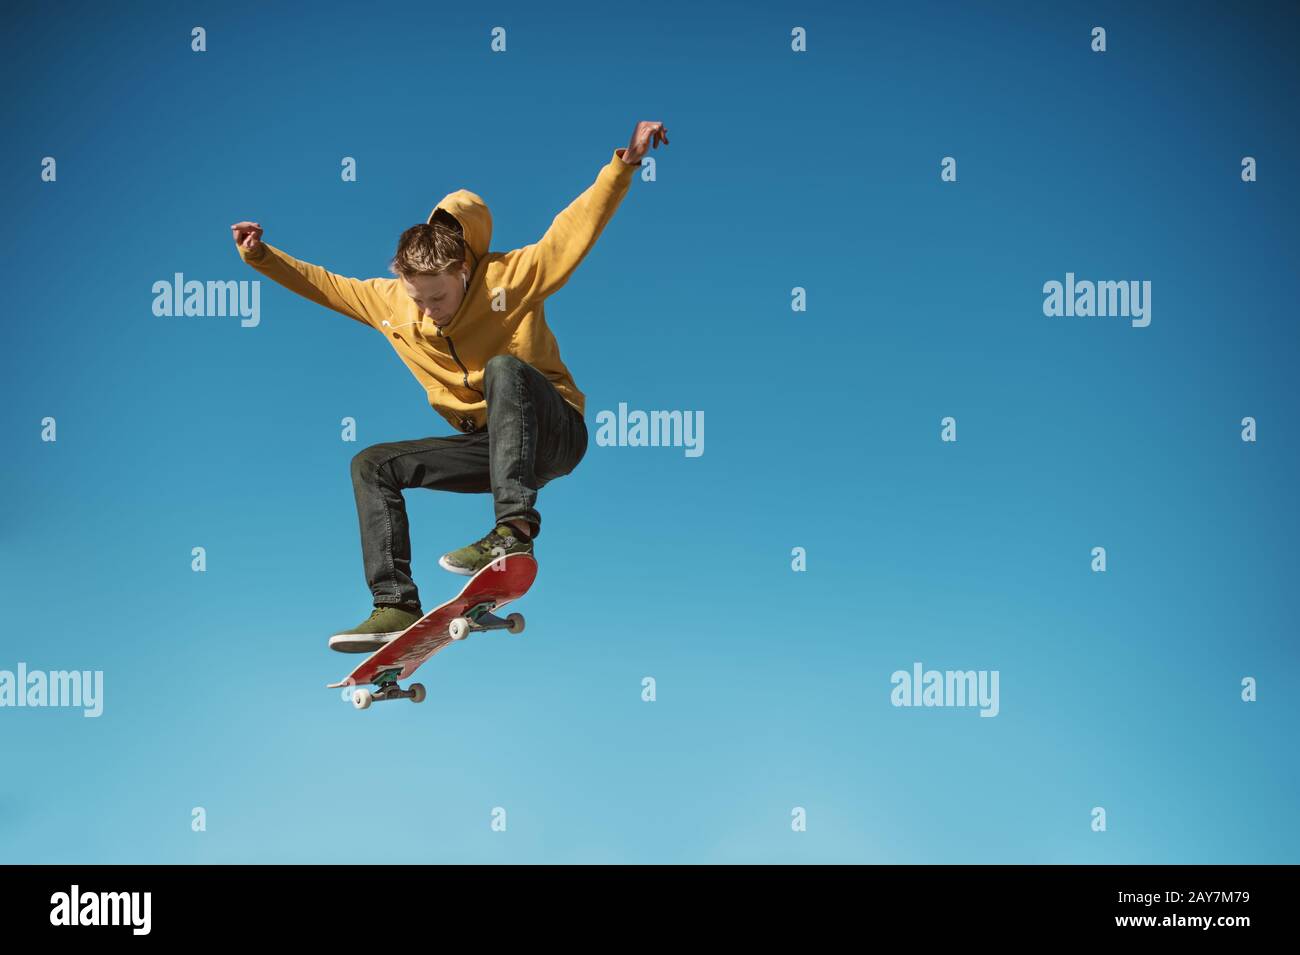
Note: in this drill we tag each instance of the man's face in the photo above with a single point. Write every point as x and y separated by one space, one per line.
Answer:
436 296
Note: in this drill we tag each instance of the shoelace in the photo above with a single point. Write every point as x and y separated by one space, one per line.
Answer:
378 610
486 544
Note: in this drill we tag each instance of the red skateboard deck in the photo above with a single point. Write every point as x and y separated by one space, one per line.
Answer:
505 579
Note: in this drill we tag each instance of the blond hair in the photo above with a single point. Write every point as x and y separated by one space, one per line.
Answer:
429 250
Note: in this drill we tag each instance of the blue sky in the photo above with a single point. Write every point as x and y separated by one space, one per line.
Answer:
816 170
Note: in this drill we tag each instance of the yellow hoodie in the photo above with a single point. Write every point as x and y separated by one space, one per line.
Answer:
502 312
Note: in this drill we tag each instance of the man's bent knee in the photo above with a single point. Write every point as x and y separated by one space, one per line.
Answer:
366 463
503 365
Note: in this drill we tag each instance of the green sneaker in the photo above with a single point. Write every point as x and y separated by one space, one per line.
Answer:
378 629
500 541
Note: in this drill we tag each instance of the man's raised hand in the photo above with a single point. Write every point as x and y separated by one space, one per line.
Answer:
646 135
247 235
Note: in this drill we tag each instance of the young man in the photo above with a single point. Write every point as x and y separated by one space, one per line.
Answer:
471 327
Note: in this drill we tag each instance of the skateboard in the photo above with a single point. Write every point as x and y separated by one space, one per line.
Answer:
470 611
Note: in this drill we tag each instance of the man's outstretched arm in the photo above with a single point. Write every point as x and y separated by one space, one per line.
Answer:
544 267
366 300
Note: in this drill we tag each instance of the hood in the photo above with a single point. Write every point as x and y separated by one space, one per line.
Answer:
475 222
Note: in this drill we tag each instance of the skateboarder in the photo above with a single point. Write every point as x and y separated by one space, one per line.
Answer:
470 325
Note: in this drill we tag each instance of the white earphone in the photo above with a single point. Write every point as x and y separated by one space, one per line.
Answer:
464 280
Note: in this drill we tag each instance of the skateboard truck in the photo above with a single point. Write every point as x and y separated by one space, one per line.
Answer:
387 689
480 617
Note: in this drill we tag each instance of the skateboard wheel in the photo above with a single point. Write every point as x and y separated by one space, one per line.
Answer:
515 623
417 693
362 699
458 628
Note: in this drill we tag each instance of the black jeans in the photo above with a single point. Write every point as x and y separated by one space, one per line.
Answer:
532 436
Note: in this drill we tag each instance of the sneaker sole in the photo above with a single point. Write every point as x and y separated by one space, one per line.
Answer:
361 642
463 571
